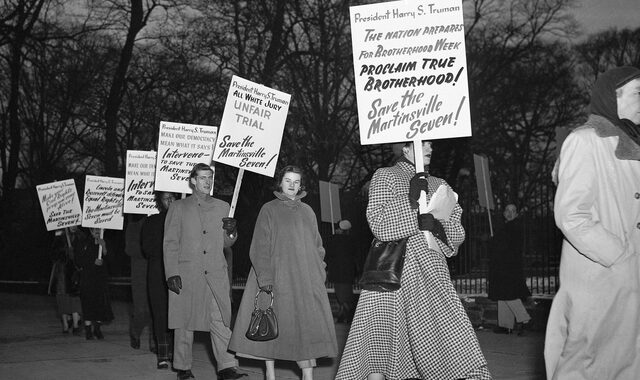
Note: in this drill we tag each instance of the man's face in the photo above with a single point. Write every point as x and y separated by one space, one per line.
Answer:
166 199
203 182
510 212
629 101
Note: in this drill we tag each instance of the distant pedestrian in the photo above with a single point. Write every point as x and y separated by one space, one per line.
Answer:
152 235
94 294
65 283
593 330
341 267
506 277
140 315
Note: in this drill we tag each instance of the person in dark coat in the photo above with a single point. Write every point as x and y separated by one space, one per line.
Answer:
140 315
63 282
506 278
94 295
341 268
287 259
151 237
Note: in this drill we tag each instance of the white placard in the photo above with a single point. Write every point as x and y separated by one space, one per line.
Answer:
180 147
60 204
252 126
103 198
139 182
410 71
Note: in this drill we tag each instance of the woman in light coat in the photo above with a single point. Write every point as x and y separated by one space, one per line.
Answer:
593 330
287 258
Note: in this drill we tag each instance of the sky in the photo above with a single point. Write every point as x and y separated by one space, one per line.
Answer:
598 15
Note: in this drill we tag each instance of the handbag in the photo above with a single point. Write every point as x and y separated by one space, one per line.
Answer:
263 325
383 267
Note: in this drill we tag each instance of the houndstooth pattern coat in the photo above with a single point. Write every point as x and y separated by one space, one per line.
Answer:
422 330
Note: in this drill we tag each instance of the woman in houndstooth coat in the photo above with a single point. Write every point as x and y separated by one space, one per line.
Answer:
420 331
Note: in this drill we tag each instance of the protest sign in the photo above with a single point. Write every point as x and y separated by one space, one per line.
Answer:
103 198
60 204
139 181
180 147
252 126
410 71
329 202
483 180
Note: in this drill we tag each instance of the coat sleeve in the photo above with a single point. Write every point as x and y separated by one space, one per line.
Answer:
575 199
389 213
261 248
171 241
453 230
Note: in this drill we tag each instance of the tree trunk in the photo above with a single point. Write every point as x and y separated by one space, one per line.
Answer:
117 89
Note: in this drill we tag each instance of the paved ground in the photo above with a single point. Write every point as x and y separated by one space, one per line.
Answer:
33 347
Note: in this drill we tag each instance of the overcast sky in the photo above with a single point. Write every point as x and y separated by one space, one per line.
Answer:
599 15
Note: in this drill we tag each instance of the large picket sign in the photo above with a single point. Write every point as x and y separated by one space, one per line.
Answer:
180 147
60 204
410 71
103 202
252 126
139 182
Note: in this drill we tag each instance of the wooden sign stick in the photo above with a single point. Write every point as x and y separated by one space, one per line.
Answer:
236 191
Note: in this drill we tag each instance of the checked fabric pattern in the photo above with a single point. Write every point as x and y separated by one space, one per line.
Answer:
422 330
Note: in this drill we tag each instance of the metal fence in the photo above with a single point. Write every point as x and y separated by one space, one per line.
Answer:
541 245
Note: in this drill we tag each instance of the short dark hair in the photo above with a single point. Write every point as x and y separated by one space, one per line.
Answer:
289 169
199 166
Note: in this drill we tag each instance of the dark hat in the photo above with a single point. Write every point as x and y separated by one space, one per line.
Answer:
603 96
623 75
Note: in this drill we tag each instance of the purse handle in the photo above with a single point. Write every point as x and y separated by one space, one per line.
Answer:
255 301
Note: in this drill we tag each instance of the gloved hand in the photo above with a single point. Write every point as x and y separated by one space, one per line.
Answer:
174 283
417 183
426 222
267 288
230 226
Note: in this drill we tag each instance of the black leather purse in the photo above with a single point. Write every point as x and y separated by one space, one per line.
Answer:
263 325
383 267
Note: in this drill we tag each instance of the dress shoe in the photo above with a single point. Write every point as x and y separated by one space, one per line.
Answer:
96 331
135 342
184 374
230 373
88 334
163 364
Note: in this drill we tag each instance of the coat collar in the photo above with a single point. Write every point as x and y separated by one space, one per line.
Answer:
627 149
288 201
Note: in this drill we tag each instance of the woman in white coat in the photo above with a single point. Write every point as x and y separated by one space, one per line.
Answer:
593 331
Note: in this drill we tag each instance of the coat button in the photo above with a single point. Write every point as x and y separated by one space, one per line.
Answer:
204 252
205 272
637 195
638 226
204 232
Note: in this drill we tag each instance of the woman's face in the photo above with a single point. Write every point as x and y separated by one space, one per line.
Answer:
290 184
426 152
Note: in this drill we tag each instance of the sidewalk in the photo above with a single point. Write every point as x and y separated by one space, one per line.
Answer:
32 346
